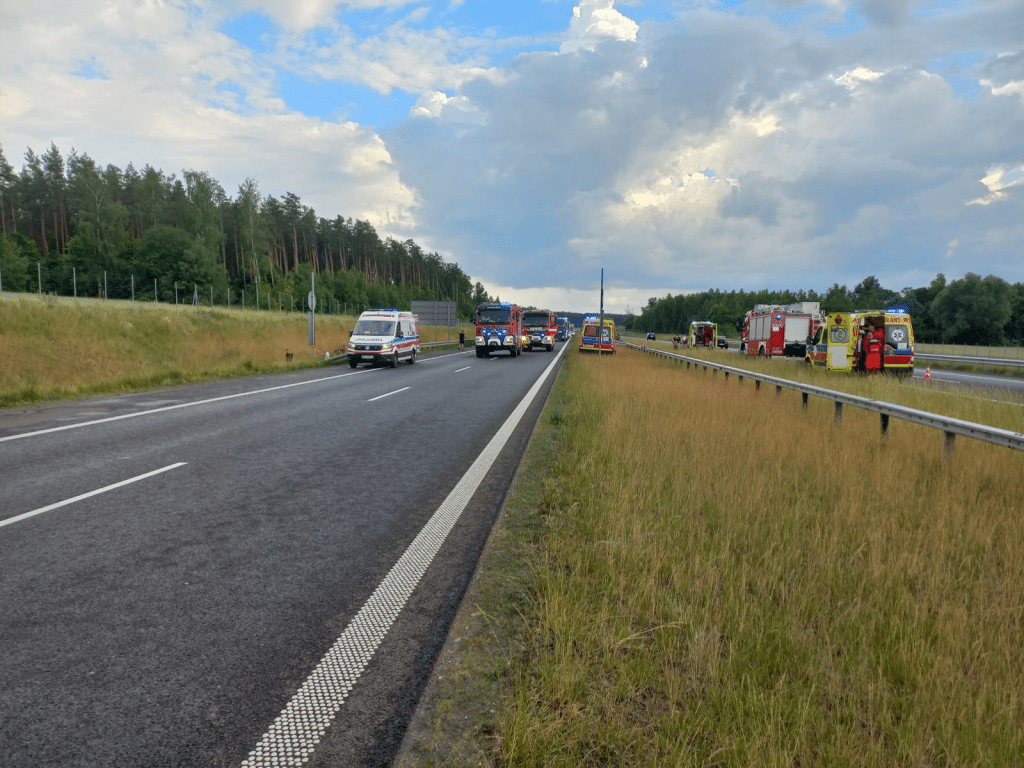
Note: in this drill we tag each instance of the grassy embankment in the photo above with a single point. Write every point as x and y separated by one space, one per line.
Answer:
705 575
983 406
57 349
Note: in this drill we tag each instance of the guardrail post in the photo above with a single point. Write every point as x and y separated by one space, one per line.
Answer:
884 418
839 413
948 442
714 373
740 377
778 390
803 405
757 385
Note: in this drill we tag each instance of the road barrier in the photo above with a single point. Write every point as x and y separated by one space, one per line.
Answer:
1000 362
950 426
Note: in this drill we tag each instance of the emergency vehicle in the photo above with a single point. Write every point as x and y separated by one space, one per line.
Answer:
540 327
773 330
384 336
703 333
839 344
592 340
499 328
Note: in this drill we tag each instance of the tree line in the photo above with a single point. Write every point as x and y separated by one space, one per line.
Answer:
105 231
971 310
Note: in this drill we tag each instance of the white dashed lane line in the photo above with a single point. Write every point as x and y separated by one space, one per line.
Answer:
59 504
388 394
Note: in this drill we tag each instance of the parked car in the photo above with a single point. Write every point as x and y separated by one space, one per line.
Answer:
723 343
651 336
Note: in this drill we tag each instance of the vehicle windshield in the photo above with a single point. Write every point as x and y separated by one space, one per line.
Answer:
374 328
536 319
493 317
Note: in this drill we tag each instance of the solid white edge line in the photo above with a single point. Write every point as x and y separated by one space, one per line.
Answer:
59 504
389 394
294 734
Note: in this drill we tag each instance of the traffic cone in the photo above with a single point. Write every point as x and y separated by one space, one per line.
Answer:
927 373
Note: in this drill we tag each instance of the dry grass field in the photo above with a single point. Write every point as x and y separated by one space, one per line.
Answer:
711 576
61 348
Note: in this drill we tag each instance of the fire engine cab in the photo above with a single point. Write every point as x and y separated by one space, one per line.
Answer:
499 328
773 330
541 328
864 340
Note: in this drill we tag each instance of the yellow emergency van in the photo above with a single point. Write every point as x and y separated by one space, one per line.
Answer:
842 343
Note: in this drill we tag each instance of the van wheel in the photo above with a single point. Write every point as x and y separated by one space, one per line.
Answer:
412 357
353 363
394 360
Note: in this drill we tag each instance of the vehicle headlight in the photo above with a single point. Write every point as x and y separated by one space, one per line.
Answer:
479 339
385 348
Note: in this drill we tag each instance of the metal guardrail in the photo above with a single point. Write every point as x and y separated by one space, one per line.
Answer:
950 426
969 360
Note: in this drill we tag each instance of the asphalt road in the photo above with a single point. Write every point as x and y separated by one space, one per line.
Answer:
174 565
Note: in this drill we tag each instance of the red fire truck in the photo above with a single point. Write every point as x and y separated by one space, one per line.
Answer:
541 328
499 327
776 330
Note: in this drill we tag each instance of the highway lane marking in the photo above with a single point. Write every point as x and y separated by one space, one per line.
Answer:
389 394
463 369
179 405
59 504
293 736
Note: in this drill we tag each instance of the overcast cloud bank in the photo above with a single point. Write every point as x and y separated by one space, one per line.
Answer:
683 147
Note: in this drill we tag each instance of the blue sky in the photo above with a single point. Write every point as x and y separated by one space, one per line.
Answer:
680 145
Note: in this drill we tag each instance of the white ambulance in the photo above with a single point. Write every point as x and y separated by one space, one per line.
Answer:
384 336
